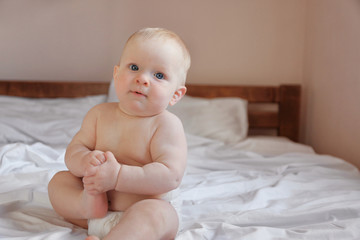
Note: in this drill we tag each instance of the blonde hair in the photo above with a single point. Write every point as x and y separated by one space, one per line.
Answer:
162 33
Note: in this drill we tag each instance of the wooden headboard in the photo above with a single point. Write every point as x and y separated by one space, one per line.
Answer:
285 120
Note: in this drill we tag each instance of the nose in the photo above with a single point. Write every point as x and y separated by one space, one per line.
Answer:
142 80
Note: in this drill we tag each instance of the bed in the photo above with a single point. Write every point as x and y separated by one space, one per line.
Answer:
247 176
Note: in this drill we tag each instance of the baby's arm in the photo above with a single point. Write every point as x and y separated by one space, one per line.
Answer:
80 154
168 150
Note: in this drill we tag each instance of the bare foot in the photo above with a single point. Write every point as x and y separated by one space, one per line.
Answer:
96 205
92 238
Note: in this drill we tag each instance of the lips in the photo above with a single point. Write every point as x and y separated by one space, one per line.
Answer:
138 93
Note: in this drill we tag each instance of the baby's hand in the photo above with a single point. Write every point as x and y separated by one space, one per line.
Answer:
96 157
92 160
104 176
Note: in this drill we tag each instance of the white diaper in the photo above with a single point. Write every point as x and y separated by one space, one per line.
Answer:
100 227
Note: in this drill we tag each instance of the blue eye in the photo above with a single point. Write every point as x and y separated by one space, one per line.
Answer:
134 67
159 75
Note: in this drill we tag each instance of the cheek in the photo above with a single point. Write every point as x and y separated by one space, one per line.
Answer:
121 84
166 96
117 85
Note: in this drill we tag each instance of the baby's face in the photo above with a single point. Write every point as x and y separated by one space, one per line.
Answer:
148 76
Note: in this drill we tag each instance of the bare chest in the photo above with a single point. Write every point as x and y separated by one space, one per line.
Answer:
129 141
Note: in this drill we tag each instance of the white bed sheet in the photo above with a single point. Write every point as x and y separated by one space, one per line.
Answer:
236 194
261 188
50 121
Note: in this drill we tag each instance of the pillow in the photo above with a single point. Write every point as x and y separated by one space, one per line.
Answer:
223 119
50 121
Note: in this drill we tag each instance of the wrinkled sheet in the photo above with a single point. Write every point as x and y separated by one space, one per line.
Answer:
227 193
52 121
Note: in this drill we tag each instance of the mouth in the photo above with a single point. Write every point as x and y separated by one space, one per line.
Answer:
137 93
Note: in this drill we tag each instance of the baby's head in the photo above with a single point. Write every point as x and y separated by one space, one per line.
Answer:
152 71
162 34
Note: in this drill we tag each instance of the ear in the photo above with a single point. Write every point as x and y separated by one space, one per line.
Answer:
116 71
179 93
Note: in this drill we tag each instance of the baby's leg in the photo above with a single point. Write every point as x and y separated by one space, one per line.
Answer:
68 198
147 219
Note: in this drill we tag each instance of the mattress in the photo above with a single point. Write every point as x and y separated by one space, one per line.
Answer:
259 188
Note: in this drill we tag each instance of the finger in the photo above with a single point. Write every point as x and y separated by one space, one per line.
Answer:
89 190
90 187
95 162
88 180
97 157
93 192
101 157
90 171
109 156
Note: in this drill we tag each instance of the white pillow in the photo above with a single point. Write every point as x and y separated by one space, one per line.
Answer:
223 119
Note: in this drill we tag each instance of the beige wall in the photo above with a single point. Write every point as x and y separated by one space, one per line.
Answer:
332 78
232 41
314 43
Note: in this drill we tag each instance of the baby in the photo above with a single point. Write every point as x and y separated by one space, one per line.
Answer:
127 156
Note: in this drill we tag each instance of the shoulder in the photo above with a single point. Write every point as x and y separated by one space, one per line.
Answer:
169 126
99 110
102 107
169 119
169 136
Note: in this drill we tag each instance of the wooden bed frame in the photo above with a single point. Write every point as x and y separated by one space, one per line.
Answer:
285 121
